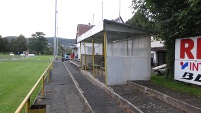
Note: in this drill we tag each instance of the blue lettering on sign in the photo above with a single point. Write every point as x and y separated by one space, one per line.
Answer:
183 66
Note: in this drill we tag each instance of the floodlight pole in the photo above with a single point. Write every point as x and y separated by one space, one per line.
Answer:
55 29
102 10
119 10
57 43
57 36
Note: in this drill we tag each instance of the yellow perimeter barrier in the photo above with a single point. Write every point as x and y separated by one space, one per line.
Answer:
26 100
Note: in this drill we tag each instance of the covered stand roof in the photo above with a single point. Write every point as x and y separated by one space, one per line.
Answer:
115 31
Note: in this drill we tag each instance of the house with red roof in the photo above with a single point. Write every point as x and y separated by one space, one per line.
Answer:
81 29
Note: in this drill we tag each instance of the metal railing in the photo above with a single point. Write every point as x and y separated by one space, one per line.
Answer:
26 100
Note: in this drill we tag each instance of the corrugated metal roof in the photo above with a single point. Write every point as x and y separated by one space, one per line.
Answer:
115 31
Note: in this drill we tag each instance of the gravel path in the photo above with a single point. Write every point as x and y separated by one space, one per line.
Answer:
61 93
97 98
192 100
145 102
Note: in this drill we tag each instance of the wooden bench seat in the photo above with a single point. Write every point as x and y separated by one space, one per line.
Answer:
102 69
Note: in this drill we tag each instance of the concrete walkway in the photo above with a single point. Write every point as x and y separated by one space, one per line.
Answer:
60 93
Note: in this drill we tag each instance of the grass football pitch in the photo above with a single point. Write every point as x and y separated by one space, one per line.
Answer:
17 76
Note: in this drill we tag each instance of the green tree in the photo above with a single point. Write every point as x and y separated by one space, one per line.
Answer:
61 48
18 45
37 43
3 45
140 20
173 19
13 46
21 43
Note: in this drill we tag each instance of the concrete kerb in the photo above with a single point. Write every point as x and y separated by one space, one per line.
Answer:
77 60
47 108
165 98
123 103
88 108
74 64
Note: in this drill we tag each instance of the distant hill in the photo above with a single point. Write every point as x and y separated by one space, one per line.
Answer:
62 41
9 38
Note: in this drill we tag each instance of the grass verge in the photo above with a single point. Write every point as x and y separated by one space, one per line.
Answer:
191 89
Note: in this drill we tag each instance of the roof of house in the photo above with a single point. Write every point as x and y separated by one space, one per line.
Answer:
82 28
119 20
158 49
157 45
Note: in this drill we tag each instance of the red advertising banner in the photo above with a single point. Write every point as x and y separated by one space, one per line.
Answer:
188 60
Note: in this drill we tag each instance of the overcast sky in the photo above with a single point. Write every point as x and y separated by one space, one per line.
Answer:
29 16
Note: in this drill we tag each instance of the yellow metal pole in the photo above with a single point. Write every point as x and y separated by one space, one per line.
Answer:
93 56
105 55
42 96
52 65
27 106
103 46
48 74
85 59
81 54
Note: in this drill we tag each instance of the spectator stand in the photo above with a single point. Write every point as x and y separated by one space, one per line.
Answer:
126 52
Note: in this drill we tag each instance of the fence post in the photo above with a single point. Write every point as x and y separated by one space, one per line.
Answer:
27 106
48 74
42 87
50 70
